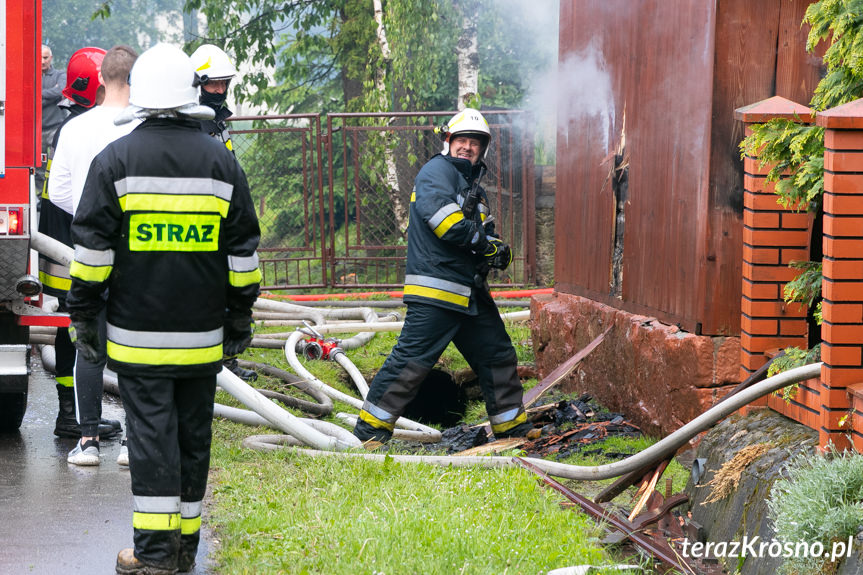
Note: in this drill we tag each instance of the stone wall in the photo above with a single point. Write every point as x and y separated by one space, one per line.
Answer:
744 512
545 187
659 376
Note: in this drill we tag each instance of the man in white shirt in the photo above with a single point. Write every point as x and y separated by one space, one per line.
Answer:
81 139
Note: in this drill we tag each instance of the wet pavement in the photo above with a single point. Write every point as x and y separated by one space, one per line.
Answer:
58 518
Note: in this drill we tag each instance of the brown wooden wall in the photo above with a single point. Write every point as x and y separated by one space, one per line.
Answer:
678 70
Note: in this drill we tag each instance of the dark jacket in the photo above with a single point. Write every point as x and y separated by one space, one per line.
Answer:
56 223
53 82
443 244
218 128
167 224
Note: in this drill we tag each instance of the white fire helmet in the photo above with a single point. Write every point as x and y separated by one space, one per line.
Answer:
163 82
211 63
468 122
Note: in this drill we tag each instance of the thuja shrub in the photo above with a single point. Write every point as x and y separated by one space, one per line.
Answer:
819 499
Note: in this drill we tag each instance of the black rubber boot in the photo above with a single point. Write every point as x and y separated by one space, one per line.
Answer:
115 425
234 367
66 424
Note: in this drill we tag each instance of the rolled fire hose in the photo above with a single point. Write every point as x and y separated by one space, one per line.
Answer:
48 246
432 435
324 405
655 453
247 417
278 417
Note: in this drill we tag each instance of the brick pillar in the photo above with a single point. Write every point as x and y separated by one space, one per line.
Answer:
842 290
773 236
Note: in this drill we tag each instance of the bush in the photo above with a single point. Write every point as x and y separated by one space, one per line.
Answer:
820 500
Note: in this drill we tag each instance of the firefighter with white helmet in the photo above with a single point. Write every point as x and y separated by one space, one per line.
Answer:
451 248
167 225
215 72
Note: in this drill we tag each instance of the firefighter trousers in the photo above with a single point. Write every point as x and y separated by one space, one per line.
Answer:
169 431
428 329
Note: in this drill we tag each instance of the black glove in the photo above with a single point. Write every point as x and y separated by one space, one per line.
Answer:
238 334
85 335
498 255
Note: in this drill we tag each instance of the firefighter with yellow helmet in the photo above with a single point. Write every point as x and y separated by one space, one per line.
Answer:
451 248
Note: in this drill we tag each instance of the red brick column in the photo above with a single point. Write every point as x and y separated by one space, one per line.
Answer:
773 236
842 290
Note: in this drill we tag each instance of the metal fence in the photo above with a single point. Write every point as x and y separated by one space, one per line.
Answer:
333 204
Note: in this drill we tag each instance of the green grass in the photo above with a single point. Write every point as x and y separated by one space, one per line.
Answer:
282 513
278 512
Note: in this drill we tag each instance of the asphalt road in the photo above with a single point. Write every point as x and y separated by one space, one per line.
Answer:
57 518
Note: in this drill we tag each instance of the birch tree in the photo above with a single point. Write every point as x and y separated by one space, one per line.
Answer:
467 52
391 175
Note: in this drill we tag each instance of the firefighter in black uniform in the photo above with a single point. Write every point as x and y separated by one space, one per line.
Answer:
167 224
215 72
451 247
82 91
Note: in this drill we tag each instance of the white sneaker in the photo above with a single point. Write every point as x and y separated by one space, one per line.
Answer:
86 454
123 458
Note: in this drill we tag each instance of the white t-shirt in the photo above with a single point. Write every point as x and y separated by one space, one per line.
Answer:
81 140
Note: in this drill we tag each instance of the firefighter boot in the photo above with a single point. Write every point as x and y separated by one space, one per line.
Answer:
66 424
521 430
234 367
128 564
188 551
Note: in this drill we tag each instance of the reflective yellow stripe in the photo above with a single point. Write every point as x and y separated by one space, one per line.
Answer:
174 203
437 294
189 526
156 356
501 427
162 232
229 145
45 182
241 279
375 422
448 222
413 196
156 521
87 273
55 282
66 381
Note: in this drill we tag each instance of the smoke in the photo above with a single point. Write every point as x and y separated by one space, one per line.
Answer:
579 87
558 92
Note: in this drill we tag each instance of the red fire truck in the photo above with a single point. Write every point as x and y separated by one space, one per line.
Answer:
20 149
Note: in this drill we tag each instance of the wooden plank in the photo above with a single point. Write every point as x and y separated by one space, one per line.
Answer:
797 71
493 447
697 61
563 370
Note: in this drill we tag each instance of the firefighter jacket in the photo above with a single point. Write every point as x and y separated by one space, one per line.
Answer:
218 128
166 223
56 223
442 261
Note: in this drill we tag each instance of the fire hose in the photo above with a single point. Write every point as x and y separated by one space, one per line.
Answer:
332 440
653 454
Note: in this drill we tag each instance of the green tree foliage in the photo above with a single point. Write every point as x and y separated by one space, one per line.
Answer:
72 24
798 150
